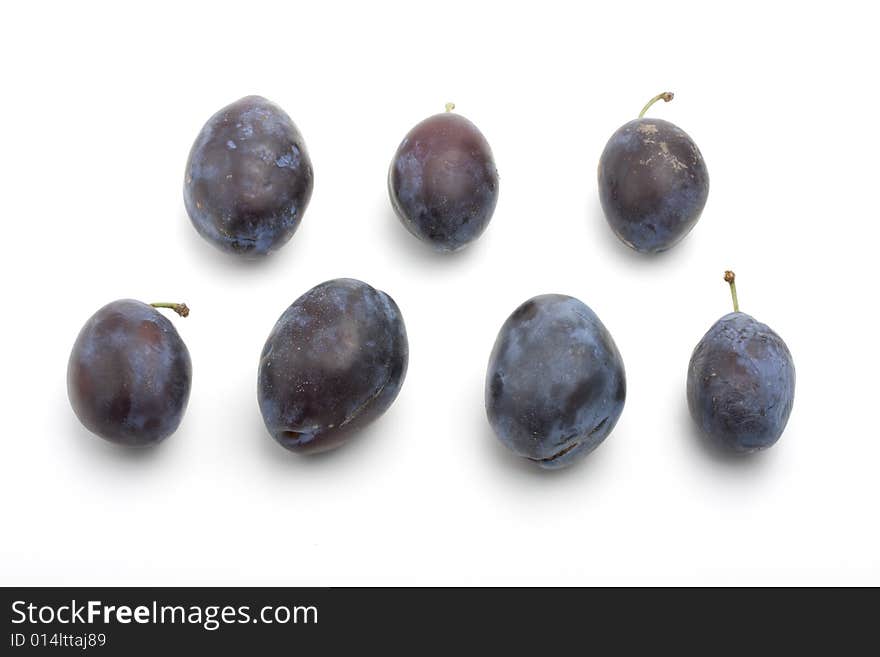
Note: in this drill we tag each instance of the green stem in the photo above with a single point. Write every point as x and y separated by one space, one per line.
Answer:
180 308
730 277
450 107
666 96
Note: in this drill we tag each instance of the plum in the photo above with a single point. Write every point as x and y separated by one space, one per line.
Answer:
740 383
443 182
335 361
653 182
129 373
248 178
555 385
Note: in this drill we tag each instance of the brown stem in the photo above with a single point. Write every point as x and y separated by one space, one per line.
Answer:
180 308
666 96
730 277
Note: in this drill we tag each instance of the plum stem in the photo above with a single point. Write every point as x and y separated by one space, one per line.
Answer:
730 277
450 107
180 308
666 96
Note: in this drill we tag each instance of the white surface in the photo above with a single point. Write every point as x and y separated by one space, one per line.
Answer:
100 107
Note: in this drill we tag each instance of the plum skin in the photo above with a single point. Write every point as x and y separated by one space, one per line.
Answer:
740 384
248 178
443 182
129 374
335 361
556 384
653 184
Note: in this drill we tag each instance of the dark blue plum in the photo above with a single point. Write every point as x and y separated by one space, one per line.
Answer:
129 374
740 384
248 178
443 182
555 386
334 362
653 183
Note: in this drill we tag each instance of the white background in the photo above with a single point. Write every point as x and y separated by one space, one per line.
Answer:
100 104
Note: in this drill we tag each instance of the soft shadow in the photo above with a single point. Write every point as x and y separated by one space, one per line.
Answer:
101 450
706 449
519 469
208 255
418 253
602 234
368 437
